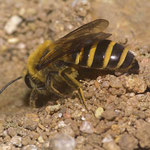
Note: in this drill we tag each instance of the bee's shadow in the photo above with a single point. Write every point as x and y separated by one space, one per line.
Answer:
89 73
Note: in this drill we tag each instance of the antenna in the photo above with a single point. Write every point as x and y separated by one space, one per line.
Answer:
9 83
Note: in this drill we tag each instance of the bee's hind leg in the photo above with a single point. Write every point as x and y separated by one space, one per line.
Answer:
72 82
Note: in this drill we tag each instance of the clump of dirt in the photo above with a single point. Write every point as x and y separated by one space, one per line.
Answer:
119 104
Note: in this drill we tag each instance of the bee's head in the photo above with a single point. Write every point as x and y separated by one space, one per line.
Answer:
32 82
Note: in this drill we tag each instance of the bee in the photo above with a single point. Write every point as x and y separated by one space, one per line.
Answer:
54 64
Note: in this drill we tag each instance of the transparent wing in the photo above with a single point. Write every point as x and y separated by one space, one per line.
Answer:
73 41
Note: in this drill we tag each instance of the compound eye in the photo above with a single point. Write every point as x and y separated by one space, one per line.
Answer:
27 80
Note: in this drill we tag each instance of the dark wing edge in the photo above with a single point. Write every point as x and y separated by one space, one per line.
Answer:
95 26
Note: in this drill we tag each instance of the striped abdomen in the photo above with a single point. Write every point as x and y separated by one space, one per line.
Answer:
106 54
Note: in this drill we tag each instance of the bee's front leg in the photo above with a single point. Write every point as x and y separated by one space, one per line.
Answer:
33 98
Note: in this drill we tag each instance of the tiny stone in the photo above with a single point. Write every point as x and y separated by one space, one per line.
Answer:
107 139
115 82
31 121
22 11
86 127
76 114
82 118
46 145
143 133
128 142
1 127
109 114
6 139
29 124
30 147
40 139
53 108
105 84
60 115
26 140
135 84
62 142
11 131
11 25
13 40
68 131
21 46
5 147
99 112
80 140
61 124
32 116
17 141
111 146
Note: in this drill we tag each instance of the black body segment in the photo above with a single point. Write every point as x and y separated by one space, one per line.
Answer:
100 53
128 60
105 54
115 56
85 55
134 67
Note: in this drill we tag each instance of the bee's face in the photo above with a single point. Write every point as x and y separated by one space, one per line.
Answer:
33 83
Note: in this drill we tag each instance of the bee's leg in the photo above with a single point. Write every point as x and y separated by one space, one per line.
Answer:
50 85
33 98
55 90
71 81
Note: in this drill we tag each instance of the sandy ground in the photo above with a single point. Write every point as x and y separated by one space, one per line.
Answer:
119 104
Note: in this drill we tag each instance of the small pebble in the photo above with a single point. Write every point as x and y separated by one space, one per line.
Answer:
46 145
21 46
109 114
53 108
30 147
99 112
13 40
111 146
1 127
40 139
11 25
22 11
128 142
5 146
135 84
115 82
61 124
143 133
76 114
68 131
86 127
82 118
60 115
11 131
17 141
62 142
107 139
80 140
31 121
